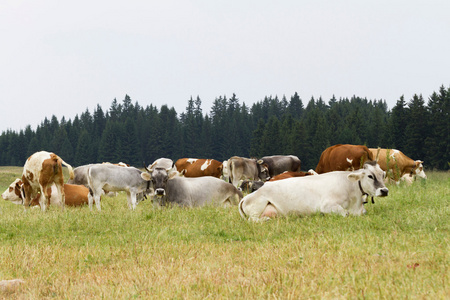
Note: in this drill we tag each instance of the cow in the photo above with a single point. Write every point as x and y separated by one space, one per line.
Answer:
290 174
278 164
190 191
80 175
75 195
165 163
339 192
197 167
249 186
400 165
114 178
241 168
343 158
225 174
40 171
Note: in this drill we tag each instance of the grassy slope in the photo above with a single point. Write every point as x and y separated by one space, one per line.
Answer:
400 249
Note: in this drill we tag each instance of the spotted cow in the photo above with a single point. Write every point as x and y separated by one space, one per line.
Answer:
41 170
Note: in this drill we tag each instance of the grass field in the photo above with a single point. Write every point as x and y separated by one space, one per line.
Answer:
399 250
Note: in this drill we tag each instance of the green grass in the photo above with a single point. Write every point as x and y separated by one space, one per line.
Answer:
400 249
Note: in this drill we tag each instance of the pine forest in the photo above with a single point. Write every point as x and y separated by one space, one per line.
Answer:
128 132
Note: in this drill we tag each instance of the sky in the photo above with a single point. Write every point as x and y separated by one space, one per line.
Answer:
63 57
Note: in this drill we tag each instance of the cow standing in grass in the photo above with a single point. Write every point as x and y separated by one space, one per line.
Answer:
41 170
114 178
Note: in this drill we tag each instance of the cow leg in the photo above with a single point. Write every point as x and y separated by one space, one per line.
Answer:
61 193
131 197
90 200
97 201
43 199
95 198
333 208
28 192
131 200
255 207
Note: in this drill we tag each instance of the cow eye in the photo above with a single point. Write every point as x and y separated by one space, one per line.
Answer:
370 176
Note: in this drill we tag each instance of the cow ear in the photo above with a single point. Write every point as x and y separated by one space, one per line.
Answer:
259 161
355 176
173 173
146 176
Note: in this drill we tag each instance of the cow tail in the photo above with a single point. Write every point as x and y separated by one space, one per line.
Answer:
241 210
230 171
71 174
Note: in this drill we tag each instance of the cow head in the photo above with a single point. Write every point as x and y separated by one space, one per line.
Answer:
159 178
371 179
13 192
263 170
418 169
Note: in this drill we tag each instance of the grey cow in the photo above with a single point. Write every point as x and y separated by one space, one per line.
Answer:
191 191
115 178
278 164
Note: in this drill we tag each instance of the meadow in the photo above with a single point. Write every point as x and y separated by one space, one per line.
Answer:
399 249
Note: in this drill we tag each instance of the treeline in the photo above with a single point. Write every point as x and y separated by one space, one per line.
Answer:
131 133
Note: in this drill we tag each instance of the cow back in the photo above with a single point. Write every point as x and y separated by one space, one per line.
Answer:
343 158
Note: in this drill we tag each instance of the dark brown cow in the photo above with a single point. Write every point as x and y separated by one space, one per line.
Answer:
343 158
290 174
194 167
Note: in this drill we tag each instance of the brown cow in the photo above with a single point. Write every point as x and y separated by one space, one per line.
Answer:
76 195
193 167
41 170
290 174
399 164
343 158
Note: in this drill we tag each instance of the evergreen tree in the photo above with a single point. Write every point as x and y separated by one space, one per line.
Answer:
271 134
416 128
84 151
397 124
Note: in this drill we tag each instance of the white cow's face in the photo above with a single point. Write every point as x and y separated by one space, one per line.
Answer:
419 169
371 179
12 193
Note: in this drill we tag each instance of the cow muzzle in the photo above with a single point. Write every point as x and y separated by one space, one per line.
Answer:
382 192
160 192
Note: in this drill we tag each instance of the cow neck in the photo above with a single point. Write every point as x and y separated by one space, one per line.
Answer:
364 193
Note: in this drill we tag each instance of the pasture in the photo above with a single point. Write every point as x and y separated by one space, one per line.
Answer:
400 249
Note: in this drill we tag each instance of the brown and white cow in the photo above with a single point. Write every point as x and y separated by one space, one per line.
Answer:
290 174
241 168
278 164
76 195
41 170
400 165
343 158
197 167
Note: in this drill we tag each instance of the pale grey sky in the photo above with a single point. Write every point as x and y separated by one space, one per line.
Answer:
61 57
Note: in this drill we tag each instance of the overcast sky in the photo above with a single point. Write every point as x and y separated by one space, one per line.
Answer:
63 57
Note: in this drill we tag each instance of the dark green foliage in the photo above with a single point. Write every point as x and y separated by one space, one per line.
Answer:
134 134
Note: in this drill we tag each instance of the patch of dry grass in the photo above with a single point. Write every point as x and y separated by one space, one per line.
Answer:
398 250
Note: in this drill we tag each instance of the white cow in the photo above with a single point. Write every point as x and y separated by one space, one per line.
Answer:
340 192
114 178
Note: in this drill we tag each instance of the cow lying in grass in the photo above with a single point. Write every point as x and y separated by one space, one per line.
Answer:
76 195
340 192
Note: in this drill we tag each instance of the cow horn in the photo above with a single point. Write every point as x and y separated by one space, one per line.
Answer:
145 167
378 154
